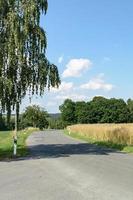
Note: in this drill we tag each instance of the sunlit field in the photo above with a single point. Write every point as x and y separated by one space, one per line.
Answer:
114 133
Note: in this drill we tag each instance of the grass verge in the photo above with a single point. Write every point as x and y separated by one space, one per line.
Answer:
121 147
6 143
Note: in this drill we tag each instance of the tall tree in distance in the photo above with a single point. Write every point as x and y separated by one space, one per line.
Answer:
68 112
35 116
130 107
23 64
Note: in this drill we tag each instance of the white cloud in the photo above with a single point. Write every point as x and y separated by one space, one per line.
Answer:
97 83
76 67
65 86
74 97
60 59
36 102
51 104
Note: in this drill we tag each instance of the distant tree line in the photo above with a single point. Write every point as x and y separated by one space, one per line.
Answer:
98 110
33 116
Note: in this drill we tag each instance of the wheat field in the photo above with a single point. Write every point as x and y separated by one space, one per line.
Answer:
115 133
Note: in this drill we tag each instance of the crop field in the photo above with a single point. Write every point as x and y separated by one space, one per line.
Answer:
118 134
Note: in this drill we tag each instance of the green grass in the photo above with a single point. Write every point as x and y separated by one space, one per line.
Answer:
6 143
121 147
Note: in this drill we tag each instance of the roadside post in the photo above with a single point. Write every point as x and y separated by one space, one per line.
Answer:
15 145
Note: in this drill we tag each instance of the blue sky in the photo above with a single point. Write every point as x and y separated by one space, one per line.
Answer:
91 42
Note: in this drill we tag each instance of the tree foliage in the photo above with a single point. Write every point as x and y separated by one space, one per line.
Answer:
57 123
130 107
34 116
81 113
98 110
68 112
23 64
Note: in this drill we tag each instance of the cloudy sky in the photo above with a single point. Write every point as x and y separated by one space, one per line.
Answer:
91 42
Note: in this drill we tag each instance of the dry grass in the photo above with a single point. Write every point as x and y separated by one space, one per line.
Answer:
115 133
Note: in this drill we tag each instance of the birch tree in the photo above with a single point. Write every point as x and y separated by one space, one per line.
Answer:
23 63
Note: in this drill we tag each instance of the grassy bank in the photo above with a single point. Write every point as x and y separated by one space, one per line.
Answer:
6 143
117 136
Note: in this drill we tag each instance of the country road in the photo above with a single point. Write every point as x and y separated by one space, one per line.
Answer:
62 168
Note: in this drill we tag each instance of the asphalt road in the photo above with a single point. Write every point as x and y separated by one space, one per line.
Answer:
62 168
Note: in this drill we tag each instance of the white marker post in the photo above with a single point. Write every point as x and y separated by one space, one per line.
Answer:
14 145
16 130
69 131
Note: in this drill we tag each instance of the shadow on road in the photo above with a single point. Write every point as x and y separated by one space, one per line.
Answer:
64 150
